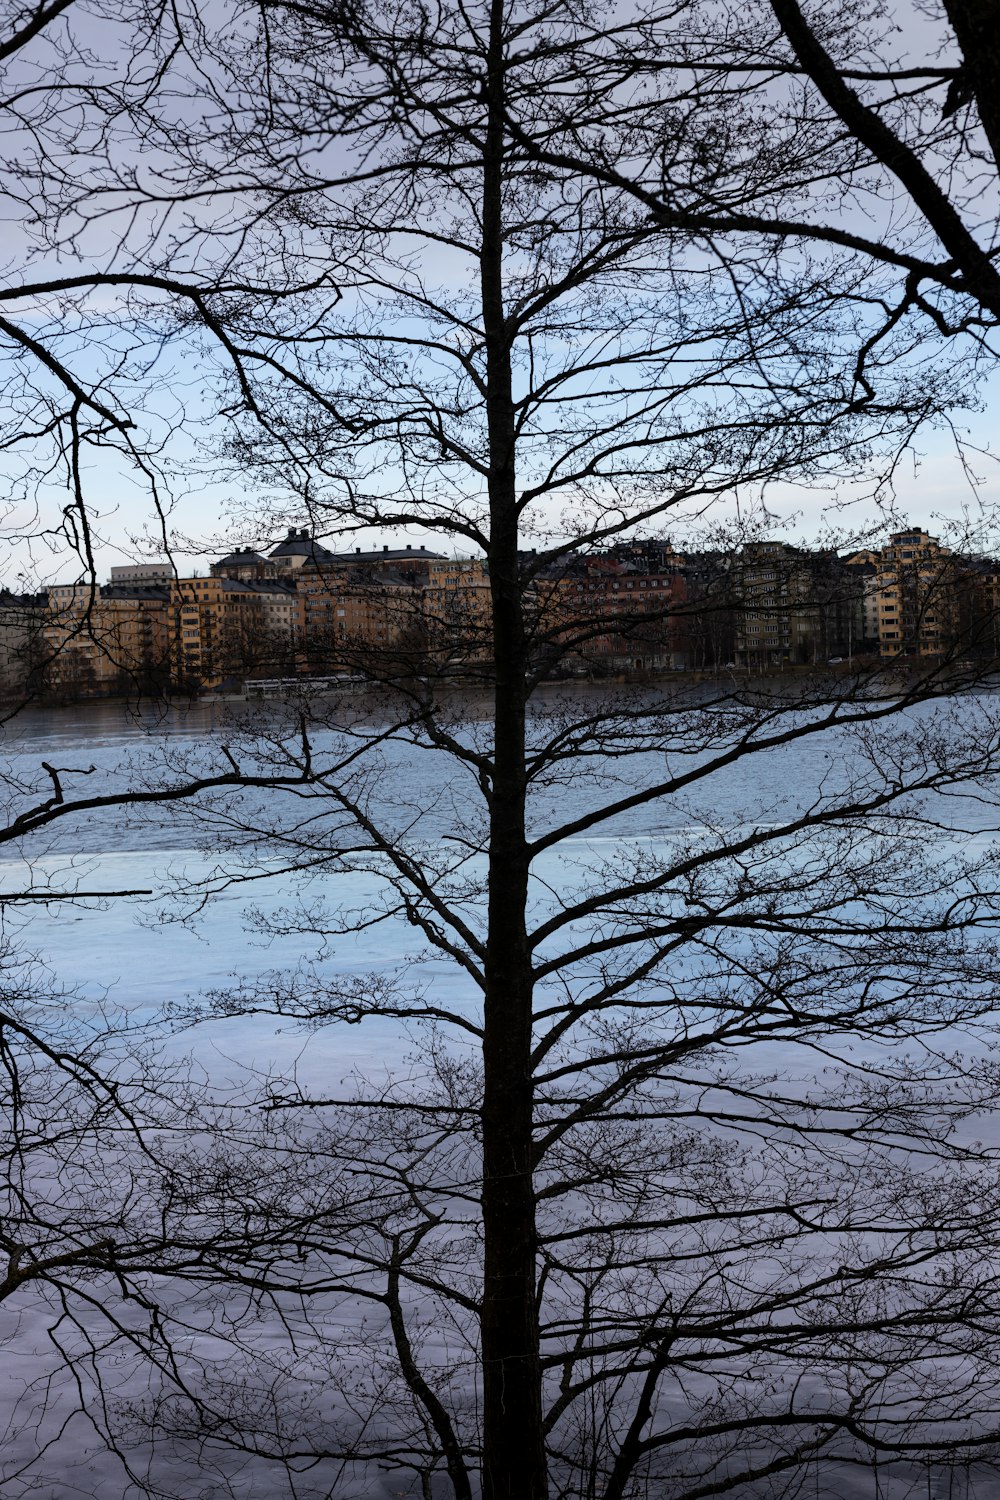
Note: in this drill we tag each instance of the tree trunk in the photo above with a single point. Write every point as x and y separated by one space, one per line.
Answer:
978 36
514 1451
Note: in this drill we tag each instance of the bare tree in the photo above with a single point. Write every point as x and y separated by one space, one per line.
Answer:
104 1133
87 1190
118 269
868 142
691 1275
623 1244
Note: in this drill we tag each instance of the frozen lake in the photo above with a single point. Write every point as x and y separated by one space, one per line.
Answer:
151 951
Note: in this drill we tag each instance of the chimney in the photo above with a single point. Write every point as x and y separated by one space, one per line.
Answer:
291 534
358 551
408 547
384 547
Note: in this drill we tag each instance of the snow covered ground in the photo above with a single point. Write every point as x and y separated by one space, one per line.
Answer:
132 952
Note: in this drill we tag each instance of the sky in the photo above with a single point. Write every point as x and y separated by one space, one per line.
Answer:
947 477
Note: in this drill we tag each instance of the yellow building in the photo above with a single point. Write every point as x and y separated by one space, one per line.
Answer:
98 642
458 614
222 627
360 619
915 586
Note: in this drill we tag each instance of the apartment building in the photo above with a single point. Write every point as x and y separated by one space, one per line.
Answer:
244 566
299 549
609 615
148 575
794 607
224 628
457 613
96 642
916 584
705 631
356 619
22 617
771 594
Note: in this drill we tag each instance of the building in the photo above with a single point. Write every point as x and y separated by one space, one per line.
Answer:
863 569
411 564
244 566
298 549
100 642
977 610
608 614
362 611
360 620
458 615
916 582
225 629
22 620
770 591
705 631
793 607
147 574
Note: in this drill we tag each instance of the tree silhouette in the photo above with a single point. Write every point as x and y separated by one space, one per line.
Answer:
641 1221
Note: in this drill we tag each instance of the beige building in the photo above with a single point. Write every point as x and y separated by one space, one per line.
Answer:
458 613
368 611
99 642
357 620
225 628
147 574
915 582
